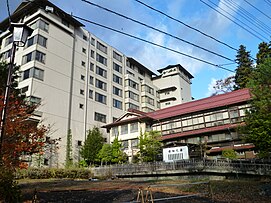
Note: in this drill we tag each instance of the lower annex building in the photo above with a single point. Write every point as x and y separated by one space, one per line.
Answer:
212 121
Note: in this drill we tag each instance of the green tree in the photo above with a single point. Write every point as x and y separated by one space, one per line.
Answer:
264 51
229 153
92 145
118 156
69 159
105 154
244 67
150 146
258 119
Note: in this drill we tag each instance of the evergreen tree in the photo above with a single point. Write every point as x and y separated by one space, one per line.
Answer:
118 156
105 154
92 145
264 51
244 68
258 119
150 146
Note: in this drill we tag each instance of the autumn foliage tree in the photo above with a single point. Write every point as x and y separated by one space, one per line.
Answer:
23 135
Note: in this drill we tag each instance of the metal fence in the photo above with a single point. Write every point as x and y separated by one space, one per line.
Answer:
186 166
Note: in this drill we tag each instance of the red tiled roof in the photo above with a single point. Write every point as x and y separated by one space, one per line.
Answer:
234 97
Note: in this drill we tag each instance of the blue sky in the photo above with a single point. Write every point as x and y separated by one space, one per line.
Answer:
192 12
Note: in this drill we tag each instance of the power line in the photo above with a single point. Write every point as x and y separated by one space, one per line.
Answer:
153 28
252 17
195 29
237 19
152 43
257 9
232 20
246 17
268 2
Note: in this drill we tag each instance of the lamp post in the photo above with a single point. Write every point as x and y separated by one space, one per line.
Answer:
20 34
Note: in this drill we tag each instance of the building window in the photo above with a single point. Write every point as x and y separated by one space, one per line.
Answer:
92 41
91 67
117 67
100 98
130 73
100 117
101 72
5 55
117 104
41 24
115 131
64 22
148 100
101 59
33 100
117 56
125 144
117 79
83 77
9 40
117 91
37 39
81 106
90 94
84 50
101 47
132 84
83 63
92 54
33 72
82 92
132 95
131 106
133 127
146 88
85 38
100 84
35 55
124 129
91 80
24 89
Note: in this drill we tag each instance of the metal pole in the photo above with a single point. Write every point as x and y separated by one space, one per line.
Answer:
6 99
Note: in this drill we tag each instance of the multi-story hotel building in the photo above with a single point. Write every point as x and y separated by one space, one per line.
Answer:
79 80
210 122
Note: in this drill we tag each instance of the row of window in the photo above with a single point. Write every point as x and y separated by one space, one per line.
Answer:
199 121
123 130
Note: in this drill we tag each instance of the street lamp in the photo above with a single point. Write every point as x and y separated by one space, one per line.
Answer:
20 34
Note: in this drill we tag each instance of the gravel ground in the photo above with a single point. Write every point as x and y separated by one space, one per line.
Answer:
114 191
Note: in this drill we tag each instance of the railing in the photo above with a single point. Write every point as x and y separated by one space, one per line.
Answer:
186 166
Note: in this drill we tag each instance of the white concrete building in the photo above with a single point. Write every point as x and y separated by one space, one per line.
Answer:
80 80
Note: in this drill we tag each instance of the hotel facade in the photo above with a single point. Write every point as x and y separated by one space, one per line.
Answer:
81 81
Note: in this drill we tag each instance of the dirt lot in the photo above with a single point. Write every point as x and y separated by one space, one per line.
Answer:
126 191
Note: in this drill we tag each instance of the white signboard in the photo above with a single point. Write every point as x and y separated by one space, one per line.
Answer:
175 154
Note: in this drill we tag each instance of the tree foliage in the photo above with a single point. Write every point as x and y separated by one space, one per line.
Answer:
244 68
264 51
258 118
23 136
229 154
150 146
112 153
92 145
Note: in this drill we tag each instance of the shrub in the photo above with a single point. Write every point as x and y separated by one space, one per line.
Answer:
46 173
9 189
